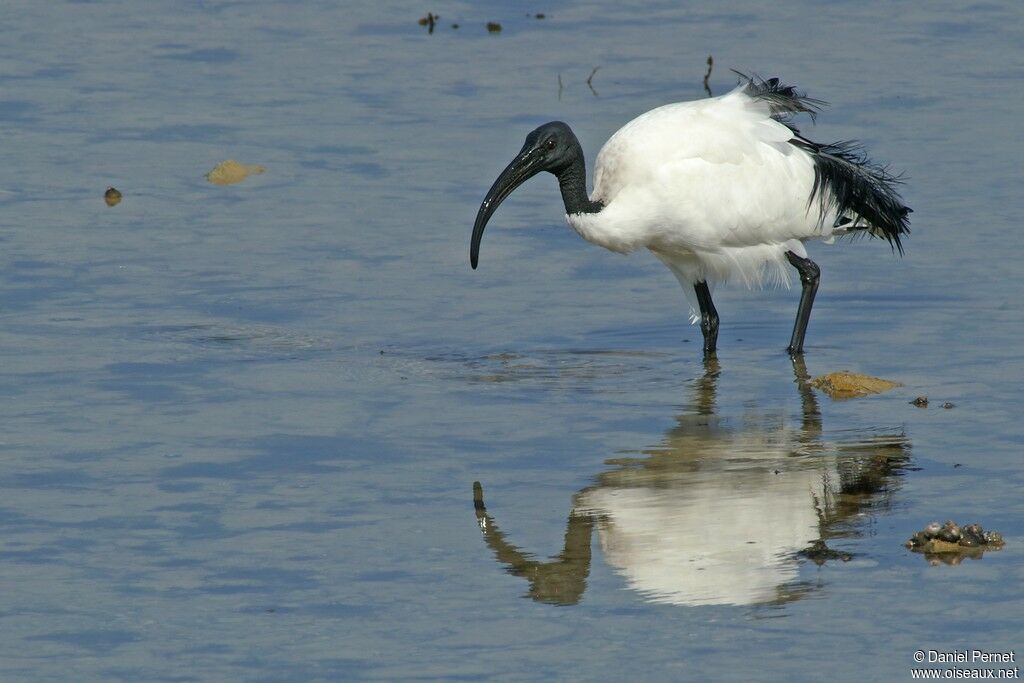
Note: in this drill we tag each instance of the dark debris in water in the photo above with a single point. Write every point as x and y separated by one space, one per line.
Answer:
922 402
430 21
112 196
819 553
949 543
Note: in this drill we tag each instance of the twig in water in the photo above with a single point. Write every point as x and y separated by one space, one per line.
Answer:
707 75
429 21
591 78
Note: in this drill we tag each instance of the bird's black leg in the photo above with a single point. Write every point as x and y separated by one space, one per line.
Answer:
708 317
810 274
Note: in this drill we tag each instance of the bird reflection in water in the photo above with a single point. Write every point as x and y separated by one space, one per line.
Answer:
718 513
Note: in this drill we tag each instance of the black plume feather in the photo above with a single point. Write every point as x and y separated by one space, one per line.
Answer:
863 194
784 100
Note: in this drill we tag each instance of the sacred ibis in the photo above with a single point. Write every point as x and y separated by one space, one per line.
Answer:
717 189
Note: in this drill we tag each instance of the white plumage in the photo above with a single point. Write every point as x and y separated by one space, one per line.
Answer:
713 188
718 189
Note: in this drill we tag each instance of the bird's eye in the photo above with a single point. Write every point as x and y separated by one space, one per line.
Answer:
550 144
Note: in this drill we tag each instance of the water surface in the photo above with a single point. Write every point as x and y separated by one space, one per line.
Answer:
242 425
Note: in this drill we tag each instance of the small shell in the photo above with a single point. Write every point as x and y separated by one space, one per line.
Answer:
971 541
994 538
972 535
950 532
932 530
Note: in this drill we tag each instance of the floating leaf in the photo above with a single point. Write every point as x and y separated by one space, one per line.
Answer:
230 172
847 384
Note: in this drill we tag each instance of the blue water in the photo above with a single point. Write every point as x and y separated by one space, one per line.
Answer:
242 424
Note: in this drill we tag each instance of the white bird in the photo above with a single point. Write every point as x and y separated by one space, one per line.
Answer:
721 188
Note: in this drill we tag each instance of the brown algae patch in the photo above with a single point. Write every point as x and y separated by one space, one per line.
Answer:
845 384
230 172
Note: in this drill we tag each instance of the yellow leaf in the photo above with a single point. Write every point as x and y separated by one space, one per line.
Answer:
230 172
847 384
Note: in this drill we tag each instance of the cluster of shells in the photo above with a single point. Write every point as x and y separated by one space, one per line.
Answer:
953 538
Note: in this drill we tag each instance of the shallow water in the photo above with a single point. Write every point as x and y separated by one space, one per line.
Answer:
243 424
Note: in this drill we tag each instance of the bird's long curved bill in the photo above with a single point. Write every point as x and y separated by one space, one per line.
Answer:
523 167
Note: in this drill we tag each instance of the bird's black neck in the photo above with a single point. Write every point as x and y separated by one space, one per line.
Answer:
572 181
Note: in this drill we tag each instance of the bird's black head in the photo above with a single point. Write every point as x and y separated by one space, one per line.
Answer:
555 145
552 147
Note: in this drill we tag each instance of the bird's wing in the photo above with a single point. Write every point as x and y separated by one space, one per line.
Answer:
728 130
712 174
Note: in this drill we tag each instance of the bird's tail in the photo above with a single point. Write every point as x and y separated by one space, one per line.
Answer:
862 195
859 193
